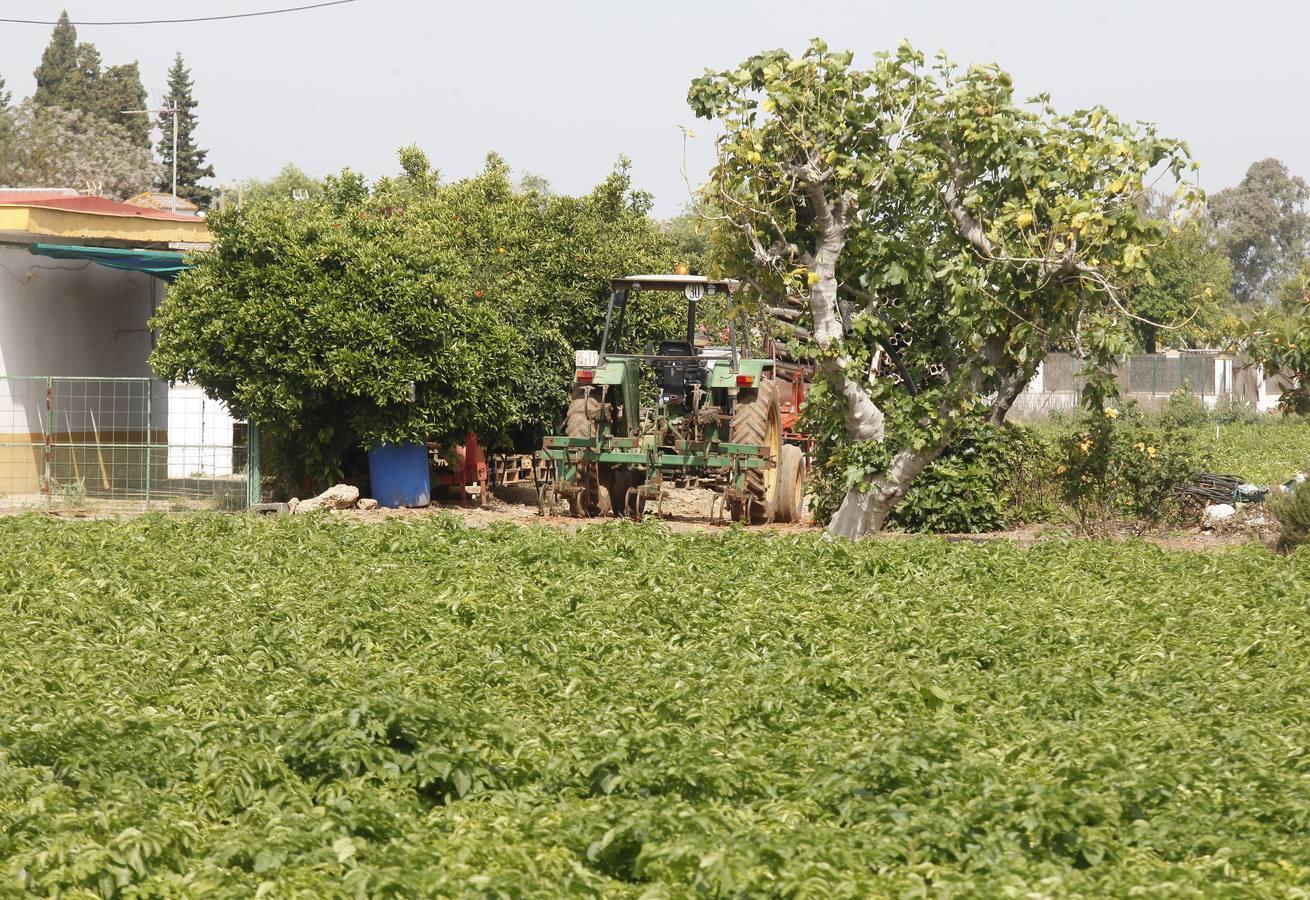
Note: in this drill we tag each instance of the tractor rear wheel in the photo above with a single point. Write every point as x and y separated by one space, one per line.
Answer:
597 498
581 421
757 419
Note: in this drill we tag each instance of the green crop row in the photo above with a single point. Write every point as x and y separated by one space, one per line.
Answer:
306 707
1268 453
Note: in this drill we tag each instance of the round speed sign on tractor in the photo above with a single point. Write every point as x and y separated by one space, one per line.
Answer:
694 292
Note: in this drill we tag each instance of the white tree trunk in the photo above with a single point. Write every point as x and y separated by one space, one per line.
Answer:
864 420
866 512
861 512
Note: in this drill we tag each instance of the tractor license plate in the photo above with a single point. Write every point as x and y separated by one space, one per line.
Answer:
586 359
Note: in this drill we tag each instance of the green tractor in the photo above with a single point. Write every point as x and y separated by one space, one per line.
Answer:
717 422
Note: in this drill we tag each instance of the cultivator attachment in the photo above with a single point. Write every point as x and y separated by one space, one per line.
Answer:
717 422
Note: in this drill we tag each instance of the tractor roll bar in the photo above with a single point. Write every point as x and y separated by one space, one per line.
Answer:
614 327
618 298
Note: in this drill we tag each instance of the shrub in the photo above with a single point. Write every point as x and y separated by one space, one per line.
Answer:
1184 409
1230 410
1292 512
1118 468
1029 475
406 310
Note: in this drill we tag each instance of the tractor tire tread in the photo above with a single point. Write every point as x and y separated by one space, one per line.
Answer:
750 425
790 499
580 422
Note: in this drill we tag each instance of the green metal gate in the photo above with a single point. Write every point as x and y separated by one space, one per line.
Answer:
120 444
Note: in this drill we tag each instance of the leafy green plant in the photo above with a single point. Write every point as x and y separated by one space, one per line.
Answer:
1029 476
1230 410
1279 340
1184 409
1292 512
71 492
988 478
406 309
1119 469
221 706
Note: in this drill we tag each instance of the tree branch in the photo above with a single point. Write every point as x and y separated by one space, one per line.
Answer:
1010 388
972 230
779 312
1104 284
796 330
953 196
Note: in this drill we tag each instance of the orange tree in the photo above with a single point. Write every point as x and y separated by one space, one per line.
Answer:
404 309
916 219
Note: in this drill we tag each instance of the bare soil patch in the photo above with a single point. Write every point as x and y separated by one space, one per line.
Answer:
688 509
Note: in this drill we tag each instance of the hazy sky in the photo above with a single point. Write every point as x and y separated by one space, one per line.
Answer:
562 89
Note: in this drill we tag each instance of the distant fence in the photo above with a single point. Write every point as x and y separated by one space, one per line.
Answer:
1149 379
115 444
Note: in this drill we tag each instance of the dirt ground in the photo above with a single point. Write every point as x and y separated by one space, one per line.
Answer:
682 509
688 509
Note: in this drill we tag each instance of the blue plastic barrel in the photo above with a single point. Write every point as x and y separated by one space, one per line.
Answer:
399 475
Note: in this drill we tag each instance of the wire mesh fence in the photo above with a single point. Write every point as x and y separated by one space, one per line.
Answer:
1147 379
120 444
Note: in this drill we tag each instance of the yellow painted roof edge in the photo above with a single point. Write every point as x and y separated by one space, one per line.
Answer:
67 223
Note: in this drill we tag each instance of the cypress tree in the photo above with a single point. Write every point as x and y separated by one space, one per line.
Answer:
191 166
119 89
6 122
59 79
70 77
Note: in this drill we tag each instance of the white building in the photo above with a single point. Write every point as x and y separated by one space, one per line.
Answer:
79 407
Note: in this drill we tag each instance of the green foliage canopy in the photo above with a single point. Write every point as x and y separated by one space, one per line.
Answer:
690 233
1185 289
291 182
319 318
972 229
70 76
1264 224
1279 340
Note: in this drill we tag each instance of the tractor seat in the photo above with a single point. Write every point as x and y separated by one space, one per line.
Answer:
673 372
675 348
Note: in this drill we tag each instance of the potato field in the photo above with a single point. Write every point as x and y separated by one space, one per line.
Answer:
305 707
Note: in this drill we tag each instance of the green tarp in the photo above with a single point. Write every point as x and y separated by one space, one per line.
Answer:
163 264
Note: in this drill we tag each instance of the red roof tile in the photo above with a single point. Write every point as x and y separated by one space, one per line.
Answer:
97 205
